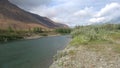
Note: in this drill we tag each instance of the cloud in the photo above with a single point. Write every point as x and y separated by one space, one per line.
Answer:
109 9
74 12
110 13
28 4
97 20
86 12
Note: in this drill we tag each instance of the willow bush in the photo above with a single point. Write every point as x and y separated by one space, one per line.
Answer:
87 34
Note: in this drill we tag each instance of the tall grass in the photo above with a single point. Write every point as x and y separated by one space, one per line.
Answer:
96 33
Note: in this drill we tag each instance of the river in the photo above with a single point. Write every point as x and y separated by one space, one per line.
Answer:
35 53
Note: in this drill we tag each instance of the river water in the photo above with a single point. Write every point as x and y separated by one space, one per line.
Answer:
36 53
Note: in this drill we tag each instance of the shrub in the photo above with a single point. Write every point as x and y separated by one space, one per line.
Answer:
63 30
86 34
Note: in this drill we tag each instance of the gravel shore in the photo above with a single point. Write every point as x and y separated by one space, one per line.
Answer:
88 56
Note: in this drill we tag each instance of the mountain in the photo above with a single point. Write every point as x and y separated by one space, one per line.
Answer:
17 18
60 25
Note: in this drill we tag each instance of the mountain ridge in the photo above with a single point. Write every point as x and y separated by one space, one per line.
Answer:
17 18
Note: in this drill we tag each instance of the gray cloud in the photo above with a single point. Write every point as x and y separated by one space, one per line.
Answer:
110 13
74 12
28 4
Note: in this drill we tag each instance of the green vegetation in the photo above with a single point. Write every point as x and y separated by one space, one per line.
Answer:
63 30
12 34
37 30
7 35
93 44
95 34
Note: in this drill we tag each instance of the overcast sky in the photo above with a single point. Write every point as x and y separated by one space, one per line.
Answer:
74 12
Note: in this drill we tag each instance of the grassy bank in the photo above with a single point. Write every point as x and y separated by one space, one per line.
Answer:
95 34
11 34
94 46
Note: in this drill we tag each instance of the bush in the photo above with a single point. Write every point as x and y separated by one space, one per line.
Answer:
63 30
87 34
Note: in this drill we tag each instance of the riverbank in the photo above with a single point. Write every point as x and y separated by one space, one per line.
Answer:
105 55
9 35
38 36
91 47
7 38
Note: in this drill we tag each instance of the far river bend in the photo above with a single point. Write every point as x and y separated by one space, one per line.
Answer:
35 53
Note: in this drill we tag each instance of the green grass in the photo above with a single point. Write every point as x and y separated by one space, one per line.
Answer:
97 38
84 35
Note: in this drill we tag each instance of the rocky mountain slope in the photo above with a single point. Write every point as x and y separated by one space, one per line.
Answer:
16 18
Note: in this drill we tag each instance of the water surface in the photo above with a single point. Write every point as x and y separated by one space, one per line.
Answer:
36 53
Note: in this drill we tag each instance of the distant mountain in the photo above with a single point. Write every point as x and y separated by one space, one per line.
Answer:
59 25
15 17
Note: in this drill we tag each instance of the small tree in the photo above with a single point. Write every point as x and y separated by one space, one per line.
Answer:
10 29
37 30
63 30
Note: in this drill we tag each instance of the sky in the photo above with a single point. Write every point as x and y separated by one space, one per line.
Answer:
74 12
